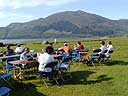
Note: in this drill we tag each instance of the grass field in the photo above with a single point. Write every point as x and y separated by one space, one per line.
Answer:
110 79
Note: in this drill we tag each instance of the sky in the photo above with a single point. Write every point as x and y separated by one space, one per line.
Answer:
12 11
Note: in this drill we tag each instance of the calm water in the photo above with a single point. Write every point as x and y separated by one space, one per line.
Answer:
17 40
22 40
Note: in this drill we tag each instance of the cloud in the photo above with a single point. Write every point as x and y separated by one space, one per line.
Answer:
2 15
9 17
14 15
58 2
14 4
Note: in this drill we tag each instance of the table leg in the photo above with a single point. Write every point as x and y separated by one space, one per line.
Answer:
20 74
14 72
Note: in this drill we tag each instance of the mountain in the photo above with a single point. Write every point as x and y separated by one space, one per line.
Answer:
73 23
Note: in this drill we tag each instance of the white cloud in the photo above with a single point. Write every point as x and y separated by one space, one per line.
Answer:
8 15
14 15
31 3
2 15
57 2
7 18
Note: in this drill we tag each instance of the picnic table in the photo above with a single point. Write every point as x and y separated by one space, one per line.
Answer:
27 63
19 64
12 56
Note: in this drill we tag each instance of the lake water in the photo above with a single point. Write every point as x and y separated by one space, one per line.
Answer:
23 40
43 39
17 40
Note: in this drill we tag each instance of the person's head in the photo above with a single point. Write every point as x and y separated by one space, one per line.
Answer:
26 50
109 42
49 49
65 44
50 44
102 43
18 45
79 43
8 47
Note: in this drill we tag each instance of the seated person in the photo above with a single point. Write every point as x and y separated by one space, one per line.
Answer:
100 51
79 46
109 46
103 47
19 49
9 51
66 48
51 45
45 58
109 49
25 55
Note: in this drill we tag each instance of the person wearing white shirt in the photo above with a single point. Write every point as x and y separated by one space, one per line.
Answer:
109 48
45 58
19 49
103 47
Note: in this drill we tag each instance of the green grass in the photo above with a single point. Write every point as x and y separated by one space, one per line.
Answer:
110 79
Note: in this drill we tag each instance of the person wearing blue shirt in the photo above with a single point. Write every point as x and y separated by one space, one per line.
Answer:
9 51
24 55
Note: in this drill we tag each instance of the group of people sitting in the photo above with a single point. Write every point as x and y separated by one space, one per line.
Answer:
67 49
24 55
23 52
106 50
102 51
46 57
9 51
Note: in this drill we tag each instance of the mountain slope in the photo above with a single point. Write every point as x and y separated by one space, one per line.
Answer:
76 23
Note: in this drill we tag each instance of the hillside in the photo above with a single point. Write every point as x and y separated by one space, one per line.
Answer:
73 23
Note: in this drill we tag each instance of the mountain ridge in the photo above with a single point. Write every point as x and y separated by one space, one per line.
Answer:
63 23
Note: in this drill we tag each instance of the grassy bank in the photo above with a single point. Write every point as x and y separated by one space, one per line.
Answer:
110 79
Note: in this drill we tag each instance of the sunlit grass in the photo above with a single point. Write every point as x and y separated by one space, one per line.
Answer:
110 79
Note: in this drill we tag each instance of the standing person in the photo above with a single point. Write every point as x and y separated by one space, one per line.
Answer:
19 49
9 51
45 58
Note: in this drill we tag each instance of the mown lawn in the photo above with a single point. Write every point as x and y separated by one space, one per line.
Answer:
110 79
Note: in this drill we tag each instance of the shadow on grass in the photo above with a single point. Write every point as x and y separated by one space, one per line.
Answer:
23 89
30 77
20 88
109 63
115 62
81 77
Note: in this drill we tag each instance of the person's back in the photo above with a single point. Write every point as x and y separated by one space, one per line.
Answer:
109 46
103 47
109 49
79 47
66 48
19 49
9 51
45 58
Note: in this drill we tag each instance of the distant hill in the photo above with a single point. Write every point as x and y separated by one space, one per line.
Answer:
73 23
